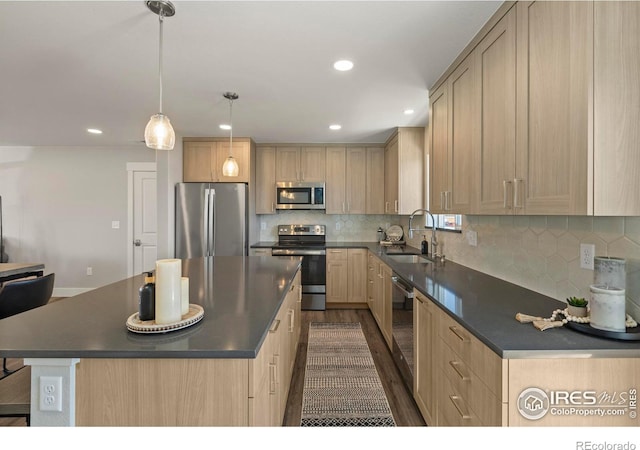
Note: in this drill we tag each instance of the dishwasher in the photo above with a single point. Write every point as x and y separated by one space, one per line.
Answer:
402 328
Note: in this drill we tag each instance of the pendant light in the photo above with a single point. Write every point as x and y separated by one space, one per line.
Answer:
159 133
230 166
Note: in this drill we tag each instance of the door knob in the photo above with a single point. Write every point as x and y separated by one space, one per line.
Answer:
137 242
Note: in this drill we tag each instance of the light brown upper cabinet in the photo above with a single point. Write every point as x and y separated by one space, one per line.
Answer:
404 170
453 134
616 109
300 164
202 159
496 70
375 180
534 78
346 180
554 79
356 180
335 185
265 180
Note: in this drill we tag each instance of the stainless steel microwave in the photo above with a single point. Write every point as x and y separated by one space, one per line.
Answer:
299 195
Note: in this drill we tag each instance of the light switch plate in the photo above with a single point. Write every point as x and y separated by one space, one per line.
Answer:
115 224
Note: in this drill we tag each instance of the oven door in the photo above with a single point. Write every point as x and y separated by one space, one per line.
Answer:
402 329
313 276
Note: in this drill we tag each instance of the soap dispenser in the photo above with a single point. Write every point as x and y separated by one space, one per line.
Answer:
424 246
147 301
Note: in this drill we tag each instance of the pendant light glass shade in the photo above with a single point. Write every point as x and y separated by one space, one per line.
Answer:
159 134
230 167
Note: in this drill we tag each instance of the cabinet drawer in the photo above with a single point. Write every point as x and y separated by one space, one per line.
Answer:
453 411
334 254
467 385
477 357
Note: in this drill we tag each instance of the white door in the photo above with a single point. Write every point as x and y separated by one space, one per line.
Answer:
142 218
145 222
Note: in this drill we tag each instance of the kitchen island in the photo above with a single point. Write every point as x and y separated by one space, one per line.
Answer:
212 373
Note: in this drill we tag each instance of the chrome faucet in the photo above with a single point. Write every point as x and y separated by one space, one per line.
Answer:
434 240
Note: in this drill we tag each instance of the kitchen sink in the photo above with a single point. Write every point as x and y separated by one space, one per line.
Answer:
411 259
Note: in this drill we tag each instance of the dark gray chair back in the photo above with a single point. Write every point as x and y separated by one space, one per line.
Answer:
20 296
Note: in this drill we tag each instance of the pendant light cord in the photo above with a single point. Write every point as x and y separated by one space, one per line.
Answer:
231 131
160 16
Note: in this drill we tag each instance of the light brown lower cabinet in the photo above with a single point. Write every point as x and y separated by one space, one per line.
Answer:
347 275
379 293
194 392
460 381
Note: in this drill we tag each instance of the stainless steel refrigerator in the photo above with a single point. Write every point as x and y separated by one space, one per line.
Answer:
211 219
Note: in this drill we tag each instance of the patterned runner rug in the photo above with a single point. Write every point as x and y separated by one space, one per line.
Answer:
341 385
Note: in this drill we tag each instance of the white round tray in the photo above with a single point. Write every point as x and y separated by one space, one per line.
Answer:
195 315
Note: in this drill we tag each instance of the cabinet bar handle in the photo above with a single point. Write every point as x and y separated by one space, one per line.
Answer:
454 399
396 205
272 378
274 326
302 176
386 206
454 365
335 251
419 299
448 201
455 331
516 192
442 200
343 207
273 207
505 194
291 321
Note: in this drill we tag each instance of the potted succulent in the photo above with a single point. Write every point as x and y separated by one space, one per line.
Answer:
577 306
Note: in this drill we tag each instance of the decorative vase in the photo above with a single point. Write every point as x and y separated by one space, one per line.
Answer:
577 311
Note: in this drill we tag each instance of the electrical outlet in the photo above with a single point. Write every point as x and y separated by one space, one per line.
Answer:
263 225
337 226
89 271
587 253
50 393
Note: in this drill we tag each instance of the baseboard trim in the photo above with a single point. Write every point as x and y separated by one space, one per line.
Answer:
347 305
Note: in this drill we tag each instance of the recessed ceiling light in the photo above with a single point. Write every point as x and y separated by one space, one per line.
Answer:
224 126
343 65
94 131
409 111
335 127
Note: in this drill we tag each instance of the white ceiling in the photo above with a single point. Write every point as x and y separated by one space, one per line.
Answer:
69 66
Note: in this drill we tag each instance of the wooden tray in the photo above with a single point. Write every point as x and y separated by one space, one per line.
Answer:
135 325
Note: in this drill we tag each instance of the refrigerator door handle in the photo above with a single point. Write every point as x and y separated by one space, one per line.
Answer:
207 195
212 221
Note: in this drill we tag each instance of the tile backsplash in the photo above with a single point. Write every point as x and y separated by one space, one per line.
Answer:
540 253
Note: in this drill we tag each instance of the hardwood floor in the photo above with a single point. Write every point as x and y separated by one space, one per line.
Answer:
405 412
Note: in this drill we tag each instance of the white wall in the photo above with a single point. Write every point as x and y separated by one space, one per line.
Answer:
58 205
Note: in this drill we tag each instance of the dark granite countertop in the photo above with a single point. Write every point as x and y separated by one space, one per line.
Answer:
240 296
487 306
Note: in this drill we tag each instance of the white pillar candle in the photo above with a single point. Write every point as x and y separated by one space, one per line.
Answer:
607 308
185 295
168 291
